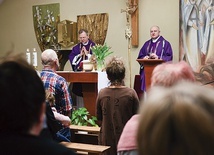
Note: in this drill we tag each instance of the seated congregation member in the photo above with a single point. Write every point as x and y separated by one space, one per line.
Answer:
58 124
54 83
177 121
166 75
65 120
127 143
51 126
116 104
22 111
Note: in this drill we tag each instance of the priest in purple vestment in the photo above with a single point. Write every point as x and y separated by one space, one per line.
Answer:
155 48
81 51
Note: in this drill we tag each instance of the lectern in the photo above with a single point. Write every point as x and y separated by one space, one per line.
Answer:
149 65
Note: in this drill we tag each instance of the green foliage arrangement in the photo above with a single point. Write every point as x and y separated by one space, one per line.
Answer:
82 117
101 51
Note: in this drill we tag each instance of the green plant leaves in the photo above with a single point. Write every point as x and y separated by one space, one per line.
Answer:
101 51
82 117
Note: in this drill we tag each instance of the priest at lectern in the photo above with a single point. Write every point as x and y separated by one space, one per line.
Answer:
155 48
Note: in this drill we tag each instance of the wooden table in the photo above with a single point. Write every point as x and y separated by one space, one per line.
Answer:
89 82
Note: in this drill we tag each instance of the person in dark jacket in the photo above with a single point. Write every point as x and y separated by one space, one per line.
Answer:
22 110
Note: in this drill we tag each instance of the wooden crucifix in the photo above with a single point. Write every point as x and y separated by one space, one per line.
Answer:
132 16
131 32
133 5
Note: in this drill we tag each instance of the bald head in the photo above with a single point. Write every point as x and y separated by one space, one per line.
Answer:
155 27
49 58
154 32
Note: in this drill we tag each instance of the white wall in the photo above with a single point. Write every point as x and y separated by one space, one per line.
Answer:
17 32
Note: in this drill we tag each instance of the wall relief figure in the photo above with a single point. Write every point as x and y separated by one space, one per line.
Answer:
67 34
45 20
96 24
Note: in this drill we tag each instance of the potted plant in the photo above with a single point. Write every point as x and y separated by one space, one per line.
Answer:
82 117
100 52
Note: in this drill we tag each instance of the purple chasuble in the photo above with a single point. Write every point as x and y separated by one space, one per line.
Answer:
77 87
76 50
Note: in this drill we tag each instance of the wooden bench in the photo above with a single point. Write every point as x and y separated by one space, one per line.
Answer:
84 134
89 129
89 149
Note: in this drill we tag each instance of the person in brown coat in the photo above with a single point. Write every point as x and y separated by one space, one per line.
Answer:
116 104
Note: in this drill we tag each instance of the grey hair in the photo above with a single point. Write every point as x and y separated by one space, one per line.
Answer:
48 56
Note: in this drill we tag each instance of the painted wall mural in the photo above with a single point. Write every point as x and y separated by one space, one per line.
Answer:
197 38
197 32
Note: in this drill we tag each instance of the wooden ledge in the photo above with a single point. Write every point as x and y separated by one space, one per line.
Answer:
91 149
89 129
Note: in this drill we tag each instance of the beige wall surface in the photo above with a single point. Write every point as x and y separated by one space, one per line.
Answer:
17 32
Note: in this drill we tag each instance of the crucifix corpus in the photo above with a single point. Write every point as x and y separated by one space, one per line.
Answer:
131 32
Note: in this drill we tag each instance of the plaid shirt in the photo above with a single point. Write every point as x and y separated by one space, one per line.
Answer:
57 85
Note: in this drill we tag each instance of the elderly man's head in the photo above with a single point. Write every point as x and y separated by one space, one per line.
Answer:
154 32
50 58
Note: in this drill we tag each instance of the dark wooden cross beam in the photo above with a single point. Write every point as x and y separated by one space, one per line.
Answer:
134 22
